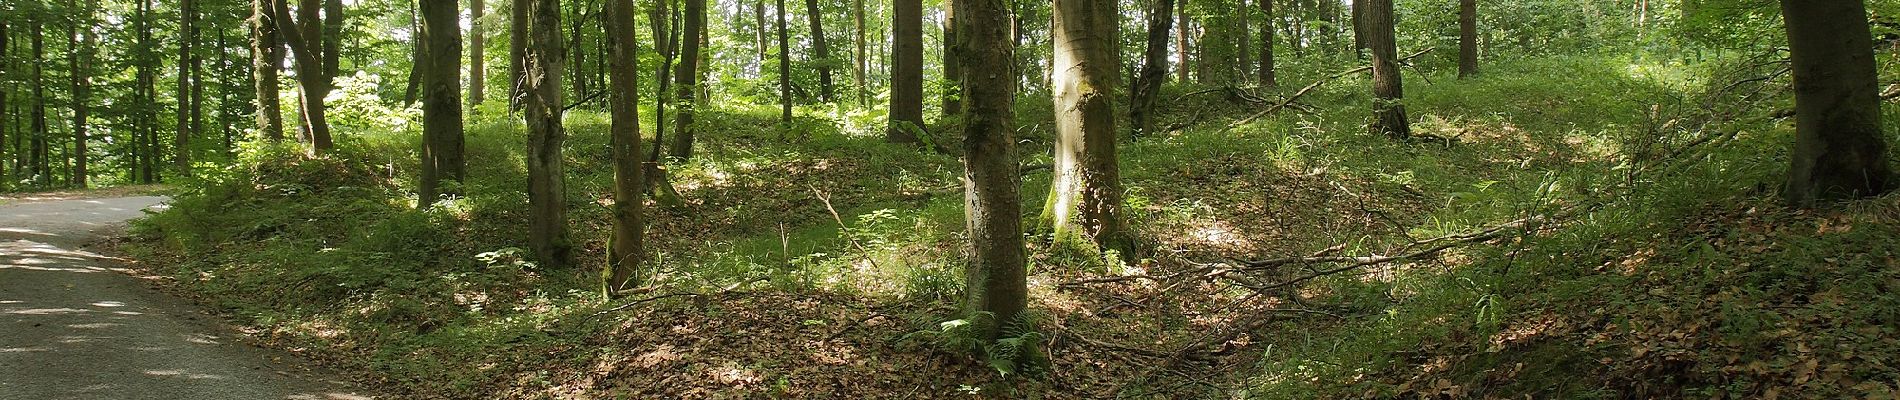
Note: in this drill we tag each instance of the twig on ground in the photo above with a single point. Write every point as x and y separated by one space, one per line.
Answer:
1315 85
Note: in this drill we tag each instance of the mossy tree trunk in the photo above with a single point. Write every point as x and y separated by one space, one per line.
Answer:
1839 150
1085 196
542 104
996 275
625 251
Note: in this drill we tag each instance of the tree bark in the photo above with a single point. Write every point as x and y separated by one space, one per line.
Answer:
416 55
1244 49
517 52
477 62
952 73
1388 88
864 90
821 51
625 250
314 68
146 93
1359 43
36 156
758 20
6 117
267 55
996 276
1181 43
907 71
686 79
1267 77
1154 68
1840 150
187 34
1467 38
547 188
80 60
784 67
1085 195
442 139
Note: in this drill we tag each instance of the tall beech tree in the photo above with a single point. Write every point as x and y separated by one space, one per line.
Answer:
1467 38
1388 89
997 282
1840 151
624 250
1085 195
1266 76
542 105
267 55
784 68
858 74
477 61
181 145
442 140
907 71
1154 67
36 151
6 117
952 73
821 50
79 60
314 43
686 78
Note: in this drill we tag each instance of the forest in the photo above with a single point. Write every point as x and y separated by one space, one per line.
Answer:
1145 199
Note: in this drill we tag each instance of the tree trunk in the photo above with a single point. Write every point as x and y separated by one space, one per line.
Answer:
477 63
1267 77
784 68
182 142
1467 38
547 189
1154 68
758 20
517 52
80 61
1085 195
6 117
36 156
625 249
1243 50
267 55
996 275
416 54
1359 42
821 51
1181 43
1840 150
442 139
864 90
147 95
314 68
907 72
952 74
1388 89
686 78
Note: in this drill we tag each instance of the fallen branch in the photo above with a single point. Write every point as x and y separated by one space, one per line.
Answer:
1315 85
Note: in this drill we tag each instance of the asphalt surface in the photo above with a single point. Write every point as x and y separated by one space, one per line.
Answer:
73 326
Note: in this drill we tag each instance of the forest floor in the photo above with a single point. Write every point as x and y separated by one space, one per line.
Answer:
1563 227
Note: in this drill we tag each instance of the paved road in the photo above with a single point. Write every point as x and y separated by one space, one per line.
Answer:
73 327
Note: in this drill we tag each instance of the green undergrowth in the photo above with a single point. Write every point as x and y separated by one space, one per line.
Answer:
1671 278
